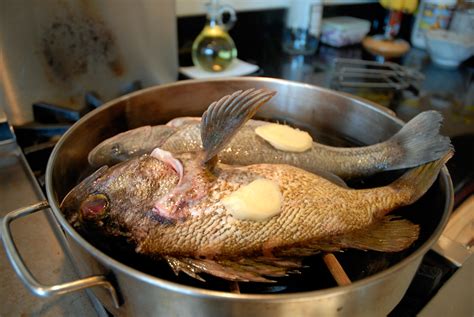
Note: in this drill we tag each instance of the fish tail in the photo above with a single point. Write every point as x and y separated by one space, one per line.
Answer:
416 182
419 141
224 118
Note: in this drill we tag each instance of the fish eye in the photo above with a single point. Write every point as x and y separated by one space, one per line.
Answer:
94 207
116 149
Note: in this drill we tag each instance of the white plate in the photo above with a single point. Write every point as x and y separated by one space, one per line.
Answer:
237 68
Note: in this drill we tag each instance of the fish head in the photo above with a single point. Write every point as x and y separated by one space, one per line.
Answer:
128 144
117 199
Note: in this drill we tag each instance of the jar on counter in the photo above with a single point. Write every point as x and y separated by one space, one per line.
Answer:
303 27
432 15
214 50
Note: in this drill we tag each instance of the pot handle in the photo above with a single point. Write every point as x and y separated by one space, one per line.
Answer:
24 273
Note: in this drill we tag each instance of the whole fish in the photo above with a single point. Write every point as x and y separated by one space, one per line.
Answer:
418 142
175 206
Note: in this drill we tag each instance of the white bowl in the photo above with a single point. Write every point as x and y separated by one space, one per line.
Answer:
449 49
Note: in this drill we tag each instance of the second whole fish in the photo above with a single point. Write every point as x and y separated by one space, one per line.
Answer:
418 142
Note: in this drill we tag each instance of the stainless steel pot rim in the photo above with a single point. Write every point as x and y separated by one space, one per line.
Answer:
200 292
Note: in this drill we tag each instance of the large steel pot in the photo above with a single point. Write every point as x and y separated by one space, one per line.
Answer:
126 291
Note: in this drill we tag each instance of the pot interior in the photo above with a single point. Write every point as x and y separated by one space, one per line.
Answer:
332 118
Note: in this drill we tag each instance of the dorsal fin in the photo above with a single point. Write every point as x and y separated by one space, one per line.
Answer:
225 117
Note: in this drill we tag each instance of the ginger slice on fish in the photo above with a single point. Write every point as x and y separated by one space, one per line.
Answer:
285 138
257 201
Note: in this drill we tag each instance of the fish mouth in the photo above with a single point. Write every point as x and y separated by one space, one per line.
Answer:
72 202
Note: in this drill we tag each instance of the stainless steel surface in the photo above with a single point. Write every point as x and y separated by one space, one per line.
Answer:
24 273
323 109
452 250
455 243
39 245
455 296
357 73
56 50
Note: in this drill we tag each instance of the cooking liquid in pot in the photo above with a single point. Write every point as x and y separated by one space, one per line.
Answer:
315 275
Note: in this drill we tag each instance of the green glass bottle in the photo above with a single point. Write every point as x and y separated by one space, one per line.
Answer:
214 50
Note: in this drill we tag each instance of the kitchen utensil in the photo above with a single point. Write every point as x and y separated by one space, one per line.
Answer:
357 73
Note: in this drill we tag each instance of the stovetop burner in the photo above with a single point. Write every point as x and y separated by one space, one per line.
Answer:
51 121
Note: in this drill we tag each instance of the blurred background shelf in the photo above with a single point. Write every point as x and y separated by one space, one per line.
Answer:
196 7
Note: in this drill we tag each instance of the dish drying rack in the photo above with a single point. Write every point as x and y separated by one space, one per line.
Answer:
356 73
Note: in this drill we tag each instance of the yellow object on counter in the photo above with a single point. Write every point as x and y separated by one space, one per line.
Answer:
408 6
214 50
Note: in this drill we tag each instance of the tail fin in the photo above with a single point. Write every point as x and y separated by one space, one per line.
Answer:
420 141
223 119
416 182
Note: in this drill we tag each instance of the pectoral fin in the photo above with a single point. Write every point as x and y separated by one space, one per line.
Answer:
241 270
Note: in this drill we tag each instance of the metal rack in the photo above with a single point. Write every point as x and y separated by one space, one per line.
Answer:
355 73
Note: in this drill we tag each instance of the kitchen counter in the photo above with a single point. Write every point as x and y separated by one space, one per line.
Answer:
258 37
450 91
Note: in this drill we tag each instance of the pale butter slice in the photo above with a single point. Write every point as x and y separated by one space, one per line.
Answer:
257 201
285 138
